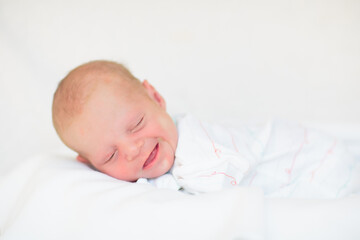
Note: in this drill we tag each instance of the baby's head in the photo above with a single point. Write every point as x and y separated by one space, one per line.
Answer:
114 122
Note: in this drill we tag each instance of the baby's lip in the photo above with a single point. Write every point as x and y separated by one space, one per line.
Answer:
151 157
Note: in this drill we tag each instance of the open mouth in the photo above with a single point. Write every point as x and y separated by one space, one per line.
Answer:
151 157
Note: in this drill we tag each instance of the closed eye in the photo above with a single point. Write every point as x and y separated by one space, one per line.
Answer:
110 158
138 125
139 122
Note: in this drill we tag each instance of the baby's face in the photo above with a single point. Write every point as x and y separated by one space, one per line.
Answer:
127 137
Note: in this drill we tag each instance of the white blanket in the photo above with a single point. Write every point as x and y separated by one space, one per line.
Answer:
53 197
284 159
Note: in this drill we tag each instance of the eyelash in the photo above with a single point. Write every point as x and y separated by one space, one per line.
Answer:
111 157
138 124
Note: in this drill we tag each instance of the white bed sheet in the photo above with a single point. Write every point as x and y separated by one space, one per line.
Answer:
51 196
55 197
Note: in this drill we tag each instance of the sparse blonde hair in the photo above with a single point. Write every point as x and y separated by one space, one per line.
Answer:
74 90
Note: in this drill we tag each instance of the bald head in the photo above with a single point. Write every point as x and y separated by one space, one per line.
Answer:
75 89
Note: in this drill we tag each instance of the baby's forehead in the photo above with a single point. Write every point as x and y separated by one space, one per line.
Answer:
119 86
110 98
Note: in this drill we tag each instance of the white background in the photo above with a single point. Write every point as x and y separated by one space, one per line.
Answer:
246 60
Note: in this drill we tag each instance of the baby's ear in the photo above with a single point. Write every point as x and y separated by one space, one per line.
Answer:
154 94
82 159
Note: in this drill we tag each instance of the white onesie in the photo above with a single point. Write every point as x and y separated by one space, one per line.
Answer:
284 159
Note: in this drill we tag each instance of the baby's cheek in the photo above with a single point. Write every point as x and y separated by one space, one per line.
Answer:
128 174
169 157
117 172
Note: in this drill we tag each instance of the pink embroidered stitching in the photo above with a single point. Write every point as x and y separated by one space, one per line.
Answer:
328 152
233 181
216 150
289 170
233 142
252 178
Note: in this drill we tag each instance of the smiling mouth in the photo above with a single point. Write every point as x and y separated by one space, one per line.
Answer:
151 157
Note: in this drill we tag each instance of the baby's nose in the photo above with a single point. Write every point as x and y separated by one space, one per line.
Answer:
133 149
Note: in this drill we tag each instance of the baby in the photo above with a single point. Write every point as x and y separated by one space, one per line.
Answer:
114 122
120 126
